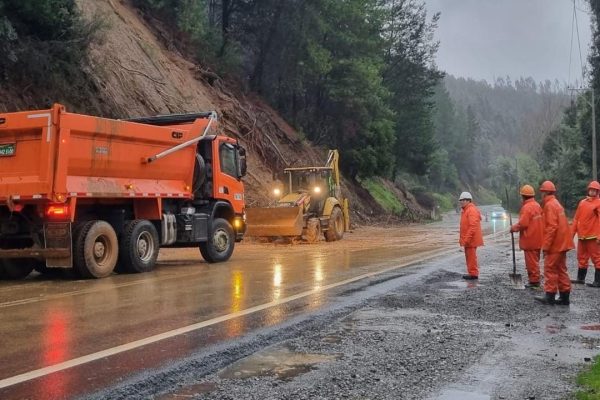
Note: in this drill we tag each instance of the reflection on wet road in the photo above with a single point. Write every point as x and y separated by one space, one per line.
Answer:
47 321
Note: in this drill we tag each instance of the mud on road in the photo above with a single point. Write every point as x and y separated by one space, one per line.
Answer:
415 333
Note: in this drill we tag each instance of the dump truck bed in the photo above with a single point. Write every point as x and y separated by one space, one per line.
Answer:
52 154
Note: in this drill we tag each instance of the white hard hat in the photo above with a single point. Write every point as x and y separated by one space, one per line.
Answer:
465 196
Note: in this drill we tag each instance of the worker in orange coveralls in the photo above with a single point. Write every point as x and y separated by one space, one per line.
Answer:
586 225
558 240
531 234
470 234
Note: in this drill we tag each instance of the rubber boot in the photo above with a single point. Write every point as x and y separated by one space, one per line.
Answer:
532 285
581 273
563 299
547 298
596 282
470 277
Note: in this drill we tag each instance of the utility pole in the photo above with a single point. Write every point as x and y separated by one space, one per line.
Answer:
594 170
593 105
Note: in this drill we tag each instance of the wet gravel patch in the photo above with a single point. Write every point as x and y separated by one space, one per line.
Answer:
426 335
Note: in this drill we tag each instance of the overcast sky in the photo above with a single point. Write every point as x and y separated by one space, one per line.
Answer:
485 39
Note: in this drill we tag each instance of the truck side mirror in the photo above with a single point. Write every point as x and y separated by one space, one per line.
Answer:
243 165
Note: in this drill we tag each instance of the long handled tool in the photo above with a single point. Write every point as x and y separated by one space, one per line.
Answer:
515 279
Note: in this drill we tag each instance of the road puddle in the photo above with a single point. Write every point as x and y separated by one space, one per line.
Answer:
279 362
333 339
454 285
189 392
595 327
554 328
460 395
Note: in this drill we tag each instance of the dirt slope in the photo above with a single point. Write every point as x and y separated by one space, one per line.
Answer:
139 75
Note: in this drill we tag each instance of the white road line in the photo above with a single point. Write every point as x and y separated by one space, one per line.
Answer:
38 373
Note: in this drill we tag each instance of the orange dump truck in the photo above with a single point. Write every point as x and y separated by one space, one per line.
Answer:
96 194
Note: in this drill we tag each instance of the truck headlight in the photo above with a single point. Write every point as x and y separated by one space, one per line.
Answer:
276 192
317 189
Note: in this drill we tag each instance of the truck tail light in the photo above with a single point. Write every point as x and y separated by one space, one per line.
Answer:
58 211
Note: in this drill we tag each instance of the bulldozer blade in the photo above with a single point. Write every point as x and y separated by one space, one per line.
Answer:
274 221
517 281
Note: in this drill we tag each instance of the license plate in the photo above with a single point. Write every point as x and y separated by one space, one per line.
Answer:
7 150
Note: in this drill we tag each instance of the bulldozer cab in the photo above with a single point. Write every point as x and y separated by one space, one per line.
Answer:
313 180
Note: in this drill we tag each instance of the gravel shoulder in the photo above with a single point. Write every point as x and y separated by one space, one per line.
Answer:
416 333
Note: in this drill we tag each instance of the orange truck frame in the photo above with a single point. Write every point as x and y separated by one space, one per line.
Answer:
98 195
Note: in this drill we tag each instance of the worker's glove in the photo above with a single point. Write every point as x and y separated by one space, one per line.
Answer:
514 229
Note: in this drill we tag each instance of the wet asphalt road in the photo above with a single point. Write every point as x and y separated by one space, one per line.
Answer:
49 321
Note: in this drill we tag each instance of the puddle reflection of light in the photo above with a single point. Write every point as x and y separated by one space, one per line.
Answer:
235 326
318 273
276 314
57 341
277 278
237 283
499 225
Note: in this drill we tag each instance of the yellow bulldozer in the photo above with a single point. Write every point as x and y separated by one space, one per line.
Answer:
308 204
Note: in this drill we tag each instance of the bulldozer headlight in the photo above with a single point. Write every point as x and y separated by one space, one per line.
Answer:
276 192
317 189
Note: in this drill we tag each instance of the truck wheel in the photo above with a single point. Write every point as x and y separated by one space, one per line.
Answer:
220 243
313 230
15 268
335 228
95 249
139 246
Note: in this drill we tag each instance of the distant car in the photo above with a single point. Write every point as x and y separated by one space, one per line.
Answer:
498 213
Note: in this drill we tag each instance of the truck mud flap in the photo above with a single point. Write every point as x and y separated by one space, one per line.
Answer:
58 236
274 221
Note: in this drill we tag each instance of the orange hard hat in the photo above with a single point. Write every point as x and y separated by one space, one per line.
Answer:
594 185
547 186
527 190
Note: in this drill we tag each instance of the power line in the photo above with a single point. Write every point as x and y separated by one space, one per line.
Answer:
579 44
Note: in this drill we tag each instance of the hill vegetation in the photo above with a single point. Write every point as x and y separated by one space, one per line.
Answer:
355 75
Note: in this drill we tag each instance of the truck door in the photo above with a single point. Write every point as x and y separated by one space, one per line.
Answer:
228 184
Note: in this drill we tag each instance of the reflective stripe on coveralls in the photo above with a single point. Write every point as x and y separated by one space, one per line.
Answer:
532 263
586 222
472 263
587 249
586 225
557 241
556 277
471 236
531 235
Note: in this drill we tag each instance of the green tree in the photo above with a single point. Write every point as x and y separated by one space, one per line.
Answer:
44 45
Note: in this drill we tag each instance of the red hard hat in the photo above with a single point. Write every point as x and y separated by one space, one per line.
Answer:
547 186
594 185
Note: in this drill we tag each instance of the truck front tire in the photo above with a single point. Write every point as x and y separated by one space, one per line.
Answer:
139 247
220 243
95 249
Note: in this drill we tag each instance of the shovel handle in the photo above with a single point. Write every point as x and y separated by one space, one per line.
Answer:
512 234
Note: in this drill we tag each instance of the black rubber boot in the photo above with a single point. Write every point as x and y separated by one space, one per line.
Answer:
532 285
547 298
470 277
581 273
596 282
563 299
